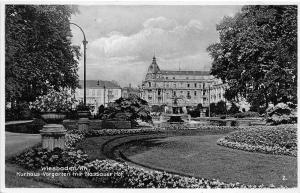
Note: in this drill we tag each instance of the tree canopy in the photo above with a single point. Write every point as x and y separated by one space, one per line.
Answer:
257 54
38 51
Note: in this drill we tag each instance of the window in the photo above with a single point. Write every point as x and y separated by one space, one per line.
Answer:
174 93
188 95
174 78
187 78
188 85
195 93
93 92
98 92
159 92
167 78
195 85
174 85
149 84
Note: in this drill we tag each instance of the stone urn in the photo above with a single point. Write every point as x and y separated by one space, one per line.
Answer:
53 117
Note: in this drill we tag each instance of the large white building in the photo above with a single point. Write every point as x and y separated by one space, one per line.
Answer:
160 87
98 92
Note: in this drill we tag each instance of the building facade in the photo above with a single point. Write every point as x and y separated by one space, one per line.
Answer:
130 91
98 92
160 87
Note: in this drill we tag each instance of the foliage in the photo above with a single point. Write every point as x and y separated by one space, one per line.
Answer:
72 138
54 102
82 107
268 139
233 109
36 158
212 107
257 54
281 114
157 108
220 108
132 108
38 51
196 112
20 111
101 109
246 114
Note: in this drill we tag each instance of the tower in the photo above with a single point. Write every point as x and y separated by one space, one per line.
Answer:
153 70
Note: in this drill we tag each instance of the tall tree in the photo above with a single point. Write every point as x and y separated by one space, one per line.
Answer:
257 54
38 51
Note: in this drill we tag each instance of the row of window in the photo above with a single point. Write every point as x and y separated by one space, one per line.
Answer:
174 85
98 92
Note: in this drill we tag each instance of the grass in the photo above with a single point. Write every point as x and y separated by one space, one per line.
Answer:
196 153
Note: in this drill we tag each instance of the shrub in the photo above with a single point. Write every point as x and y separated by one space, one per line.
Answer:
267 139
132 107
281 114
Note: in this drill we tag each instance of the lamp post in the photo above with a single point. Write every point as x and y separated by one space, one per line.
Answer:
209 100
84 63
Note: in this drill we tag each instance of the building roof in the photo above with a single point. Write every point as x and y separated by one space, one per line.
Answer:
102 83
192 73
153 68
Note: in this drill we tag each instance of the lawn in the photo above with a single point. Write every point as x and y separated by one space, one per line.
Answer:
196 153
200 156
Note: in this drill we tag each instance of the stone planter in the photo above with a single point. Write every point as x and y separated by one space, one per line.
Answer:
53 117
53 135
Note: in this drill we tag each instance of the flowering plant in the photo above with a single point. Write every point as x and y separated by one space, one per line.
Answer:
279 140
54 102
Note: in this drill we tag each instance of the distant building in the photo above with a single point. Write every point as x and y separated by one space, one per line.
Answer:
193 87
98 92
129 91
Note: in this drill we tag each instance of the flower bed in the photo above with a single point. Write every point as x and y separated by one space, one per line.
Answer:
122 175
37 157
280 140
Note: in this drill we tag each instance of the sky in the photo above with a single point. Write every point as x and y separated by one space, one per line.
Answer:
122 39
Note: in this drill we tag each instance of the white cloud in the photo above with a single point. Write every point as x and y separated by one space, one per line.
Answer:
160 22
166 41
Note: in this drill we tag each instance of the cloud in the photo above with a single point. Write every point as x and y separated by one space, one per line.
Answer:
122 39
160 22
163 35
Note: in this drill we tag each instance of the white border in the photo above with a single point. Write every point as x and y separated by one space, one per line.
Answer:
134 2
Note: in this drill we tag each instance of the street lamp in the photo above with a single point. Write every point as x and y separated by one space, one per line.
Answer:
209 100
84 62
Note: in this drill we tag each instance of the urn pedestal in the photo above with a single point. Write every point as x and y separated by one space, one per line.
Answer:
53 135
83 124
